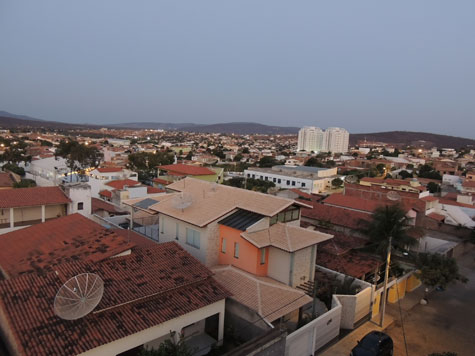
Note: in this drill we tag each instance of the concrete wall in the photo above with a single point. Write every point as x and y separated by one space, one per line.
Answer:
301 271
279 265
160 331
316 334
354 307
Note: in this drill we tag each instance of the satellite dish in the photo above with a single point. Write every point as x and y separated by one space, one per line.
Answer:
351 179
182 200
78 296
392 195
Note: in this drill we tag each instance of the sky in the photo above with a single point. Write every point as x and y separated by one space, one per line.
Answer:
366 66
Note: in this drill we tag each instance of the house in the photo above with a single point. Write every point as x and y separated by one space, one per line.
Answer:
99 177
173 172
116 191
148 296
29 206
311 179
190 214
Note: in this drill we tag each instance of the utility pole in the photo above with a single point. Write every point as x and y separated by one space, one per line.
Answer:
386 276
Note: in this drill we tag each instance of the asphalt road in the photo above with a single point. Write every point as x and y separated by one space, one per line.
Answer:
447 323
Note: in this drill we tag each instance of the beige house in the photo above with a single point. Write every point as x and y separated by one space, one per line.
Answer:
29 206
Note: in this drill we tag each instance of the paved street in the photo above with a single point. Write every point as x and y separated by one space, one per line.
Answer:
447 323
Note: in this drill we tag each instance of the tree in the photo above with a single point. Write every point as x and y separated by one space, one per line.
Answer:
438 270
77 155
14 168
146 163
314 162
337 183
267 162
433 187
245 150
381 168
389 220
426 171
25 183
405 174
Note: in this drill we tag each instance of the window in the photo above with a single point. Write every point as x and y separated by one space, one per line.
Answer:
236 250
267 178
273 220
281 217
253 176
263 256
193 238
288 215
288 182
261 178
177 230
295 214
223 245
279 180
248 175
80 206
303 184
293 183
274 179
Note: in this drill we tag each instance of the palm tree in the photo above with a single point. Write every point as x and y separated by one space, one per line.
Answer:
389 220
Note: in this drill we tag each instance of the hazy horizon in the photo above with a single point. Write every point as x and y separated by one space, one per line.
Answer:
365 66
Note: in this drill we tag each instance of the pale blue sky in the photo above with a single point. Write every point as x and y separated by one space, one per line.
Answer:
364 65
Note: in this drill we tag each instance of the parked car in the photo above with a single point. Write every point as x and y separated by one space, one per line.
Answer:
374 343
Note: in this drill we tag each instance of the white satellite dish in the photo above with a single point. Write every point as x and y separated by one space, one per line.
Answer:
78 296
182 200
351 179
392 195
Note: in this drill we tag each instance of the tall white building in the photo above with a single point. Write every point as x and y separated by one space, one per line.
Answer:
334 139
337 140
311 139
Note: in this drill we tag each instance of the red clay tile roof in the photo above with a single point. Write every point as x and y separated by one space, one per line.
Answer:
161 181
66 239
106 193
353 263
335 216
153 190
99 204
6 180
455 203
429 198
141 290
16 198
352 202
186 169
109 169
436 216
120 183
468 184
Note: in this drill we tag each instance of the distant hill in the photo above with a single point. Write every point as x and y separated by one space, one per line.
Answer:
168 126
23 117
405 138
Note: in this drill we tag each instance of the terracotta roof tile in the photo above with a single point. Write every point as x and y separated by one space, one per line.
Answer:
352 263
436 216
153 190
285 237
137 239
6 180
352 202
141 290
70 238
106 193
16 198
429 198
121 183
268 297
186 170
99 204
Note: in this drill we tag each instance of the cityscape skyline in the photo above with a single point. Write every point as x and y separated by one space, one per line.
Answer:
197 63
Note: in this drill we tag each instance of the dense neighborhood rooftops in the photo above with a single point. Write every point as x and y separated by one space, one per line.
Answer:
352 202
219 200
186 170
99 204
285 237
70 238
141 290
36 196
352 263
269 298
106 193
241 219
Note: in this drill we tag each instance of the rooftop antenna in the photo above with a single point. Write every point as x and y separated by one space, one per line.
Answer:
78 296
351 179
182 201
